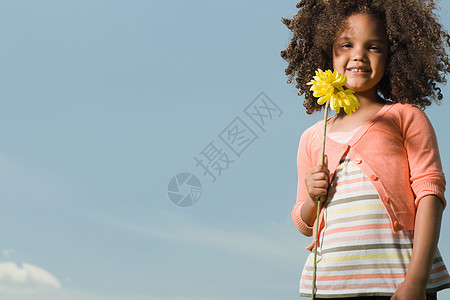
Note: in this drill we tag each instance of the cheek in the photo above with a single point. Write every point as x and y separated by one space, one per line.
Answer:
381 66
335 59
338 64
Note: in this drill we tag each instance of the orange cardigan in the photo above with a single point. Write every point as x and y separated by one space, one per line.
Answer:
397 149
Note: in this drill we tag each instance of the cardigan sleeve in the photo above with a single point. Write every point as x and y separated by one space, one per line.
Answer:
420 142
304 162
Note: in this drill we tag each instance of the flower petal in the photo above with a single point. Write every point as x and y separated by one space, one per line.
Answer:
328 86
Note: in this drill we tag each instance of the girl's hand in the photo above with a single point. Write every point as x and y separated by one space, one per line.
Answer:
409 292
316 180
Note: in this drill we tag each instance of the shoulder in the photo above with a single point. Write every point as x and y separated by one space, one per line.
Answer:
410 118
408 114
406 110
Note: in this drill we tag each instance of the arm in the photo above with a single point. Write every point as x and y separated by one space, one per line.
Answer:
426 236
304 204
425 166
428 185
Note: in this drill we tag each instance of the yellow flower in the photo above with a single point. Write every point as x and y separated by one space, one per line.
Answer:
328 86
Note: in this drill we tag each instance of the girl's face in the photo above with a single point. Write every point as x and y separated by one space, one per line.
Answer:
360 52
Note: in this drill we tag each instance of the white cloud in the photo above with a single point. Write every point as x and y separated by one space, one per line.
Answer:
25 278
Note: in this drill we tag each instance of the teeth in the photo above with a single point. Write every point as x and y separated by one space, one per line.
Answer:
358 70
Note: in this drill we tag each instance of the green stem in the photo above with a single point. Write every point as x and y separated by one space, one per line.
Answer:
313 294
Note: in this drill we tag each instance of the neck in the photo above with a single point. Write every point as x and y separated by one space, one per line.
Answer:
369 98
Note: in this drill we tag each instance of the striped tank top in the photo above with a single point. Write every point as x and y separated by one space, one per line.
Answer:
359 255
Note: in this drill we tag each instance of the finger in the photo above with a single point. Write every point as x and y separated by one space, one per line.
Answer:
316 194
323 185
315 185
318 185
319 176
326 170
322 192
317 169
318 179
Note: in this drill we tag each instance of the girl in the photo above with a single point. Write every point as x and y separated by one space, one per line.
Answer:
382 180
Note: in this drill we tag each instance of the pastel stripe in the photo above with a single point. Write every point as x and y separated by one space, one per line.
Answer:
356 208
359 253
364 237
373 256
362 286
356 276
358 228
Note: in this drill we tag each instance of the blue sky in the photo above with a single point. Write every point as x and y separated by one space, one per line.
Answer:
103 103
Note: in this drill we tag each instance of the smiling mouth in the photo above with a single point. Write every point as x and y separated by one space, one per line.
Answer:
358 70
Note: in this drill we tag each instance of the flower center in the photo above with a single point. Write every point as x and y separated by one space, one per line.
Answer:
337 90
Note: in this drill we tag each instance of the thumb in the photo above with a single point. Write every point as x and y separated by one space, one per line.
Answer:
325 161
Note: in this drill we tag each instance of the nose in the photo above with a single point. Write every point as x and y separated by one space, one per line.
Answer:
359 54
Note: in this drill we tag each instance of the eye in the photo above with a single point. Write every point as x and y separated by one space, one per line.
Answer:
346 45
375 48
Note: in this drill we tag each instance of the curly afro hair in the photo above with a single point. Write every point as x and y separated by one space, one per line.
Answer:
417 58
